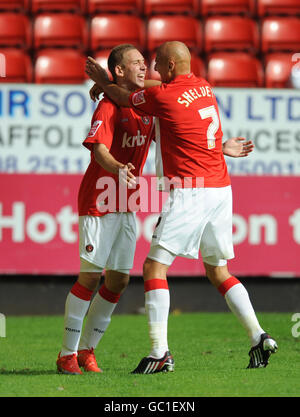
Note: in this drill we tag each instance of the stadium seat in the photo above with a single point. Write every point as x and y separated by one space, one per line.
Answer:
235 33
278 7
78 6
171 6
14 5
15 66
280 34
15 30
109 30
60 30
119 6
278 67
164 28
59 66
234 70
102 57
197 67
245 7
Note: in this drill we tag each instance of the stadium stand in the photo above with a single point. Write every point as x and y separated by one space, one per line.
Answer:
245 7
163 28
59 66
280 34
78 6
265 29
118 6
18 66
237 69
278 7
278 70
15 30
14 5
219 36
60 30
109 30
171 6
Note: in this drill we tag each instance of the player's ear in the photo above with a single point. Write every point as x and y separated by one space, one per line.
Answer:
171 65
119 70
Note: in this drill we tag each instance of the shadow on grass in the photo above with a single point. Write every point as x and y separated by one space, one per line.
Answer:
29 372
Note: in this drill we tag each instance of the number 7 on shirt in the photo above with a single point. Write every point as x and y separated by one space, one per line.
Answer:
213 127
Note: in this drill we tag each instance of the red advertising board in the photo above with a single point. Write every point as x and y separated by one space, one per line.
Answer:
39 227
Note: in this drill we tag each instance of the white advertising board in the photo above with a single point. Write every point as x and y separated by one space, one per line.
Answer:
42 128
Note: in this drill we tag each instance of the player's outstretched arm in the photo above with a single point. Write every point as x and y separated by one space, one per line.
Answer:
98 74
237 147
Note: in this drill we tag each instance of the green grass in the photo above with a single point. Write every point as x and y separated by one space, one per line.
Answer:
210 351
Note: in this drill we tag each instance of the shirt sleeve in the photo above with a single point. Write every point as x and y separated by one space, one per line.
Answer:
102 125
146 101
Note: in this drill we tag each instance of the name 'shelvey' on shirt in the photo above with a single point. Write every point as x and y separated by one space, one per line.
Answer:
193 94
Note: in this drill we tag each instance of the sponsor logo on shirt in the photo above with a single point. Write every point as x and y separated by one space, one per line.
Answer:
94 128
131 141
138 98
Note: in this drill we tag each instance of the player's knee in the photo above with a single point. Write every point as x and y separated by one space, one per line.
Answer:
89 280
116 281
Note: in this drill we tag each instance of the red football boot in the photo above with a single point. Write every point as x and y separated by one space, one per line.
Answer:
68 364
86 358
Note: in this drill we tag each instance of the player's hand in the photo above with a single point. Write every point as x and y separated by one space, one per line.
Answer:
94 70
95 92
126 177
237 147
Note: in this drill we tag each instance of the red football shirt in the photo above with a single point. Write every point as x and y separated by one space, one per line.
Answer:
128 137
189 134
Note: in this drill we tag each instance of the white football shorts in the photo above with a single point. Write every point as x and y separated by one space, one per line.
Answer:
107 242
194 219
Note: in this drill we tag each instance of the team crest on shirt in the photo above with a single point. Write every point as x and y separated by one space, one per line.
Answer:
138 98
94 128
89 248
145 120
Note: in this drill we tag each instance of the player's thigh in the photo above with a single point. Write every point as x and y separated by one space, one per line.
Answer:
122 252
216 240
97 236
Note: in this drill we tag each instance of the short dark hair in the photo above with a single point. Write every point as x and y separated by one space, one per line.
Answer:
116 57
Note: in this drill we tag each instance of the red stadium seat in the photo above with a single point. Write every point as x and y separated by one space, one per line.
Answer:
234 70
119 6
280 34
246 7
235 33
102 57
197 67
14 5
278 7
171 6
15 30
60 30
78 6
278 67
108 31
15 66
164 28
59 66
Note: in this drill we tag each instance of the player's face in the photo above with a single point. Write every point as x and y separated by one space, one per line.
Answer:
134 69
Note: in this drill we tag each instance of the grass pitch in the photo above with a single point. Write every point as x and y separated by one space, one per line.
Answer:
210 352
